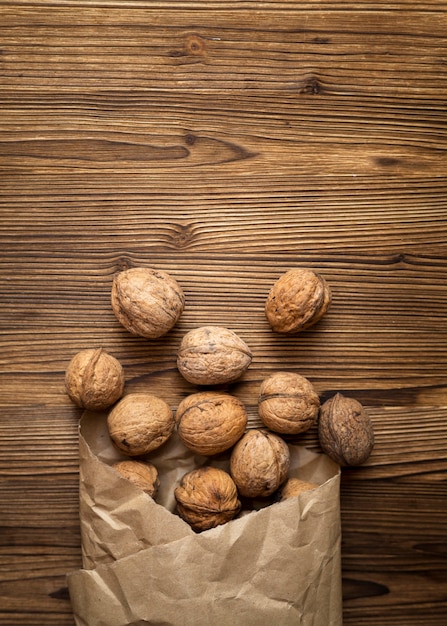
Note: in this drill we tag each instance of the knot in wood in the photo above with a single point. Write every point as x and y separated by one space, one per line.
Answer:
123 263
190 139
182 235
312 86
195 45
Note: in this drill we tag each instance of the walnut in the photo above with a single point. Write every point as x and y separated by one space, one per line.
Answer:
294 486
143 475
94 379
345 430
288 403
207 497
210 422
297 300
259 463
212 355
147 302
140 423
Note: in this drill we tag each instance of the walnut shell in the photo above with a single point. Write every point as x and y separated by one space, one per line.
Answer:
212 355
207 497
210 422
259 463
297 300
147 302
140 423
94 379
288 403
294 486
143 475
345 430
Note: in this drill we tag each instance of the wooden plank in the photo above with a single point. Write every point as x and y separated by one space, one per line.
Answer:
314 48
308 215
408 442
400 301
186 176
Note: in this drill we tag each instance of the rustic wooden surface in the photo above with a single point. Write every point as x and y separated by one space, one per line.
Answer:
226 142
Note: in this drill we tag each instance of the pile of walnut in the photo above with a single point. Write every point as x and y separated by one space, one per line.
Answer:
148 303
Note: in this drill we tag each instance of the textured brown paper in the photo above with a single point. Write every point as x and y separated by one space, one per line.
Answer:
144 565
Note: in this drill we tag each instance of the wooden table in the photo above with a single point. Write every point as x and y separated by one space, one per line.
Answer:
226 142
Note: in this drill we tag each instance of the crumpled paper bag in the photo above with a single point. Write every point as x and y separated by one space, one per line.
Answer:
142 564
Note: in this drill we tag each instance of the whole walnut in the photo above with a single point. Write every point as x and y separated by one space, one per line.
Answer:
294 486
345 430
288 403
140 423
212 355
210 422
207 497
94 379
297 300
259 463
143 475
147 302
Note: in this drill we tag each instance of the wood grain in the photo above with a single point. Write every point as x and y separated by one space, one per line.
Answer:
226 144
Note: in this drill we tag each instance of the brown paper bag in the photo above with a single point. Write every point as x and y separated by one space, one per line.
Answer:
142 564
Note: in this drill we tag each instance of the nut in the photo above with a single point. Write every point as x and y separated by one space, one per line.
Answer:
294 486
212 355
147 302
94 379
297 300
288 403
210 422
207 497
140 423
259 463
345 430
143 475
